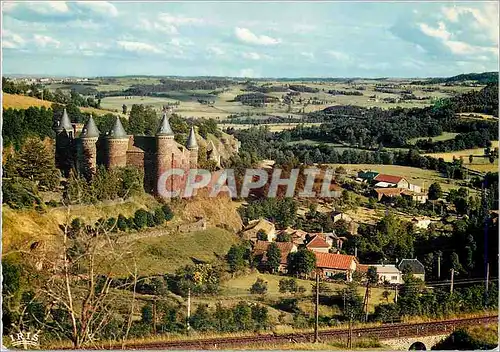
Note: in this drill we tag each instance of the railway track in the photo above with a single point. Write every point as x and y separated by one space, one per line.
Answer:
384 332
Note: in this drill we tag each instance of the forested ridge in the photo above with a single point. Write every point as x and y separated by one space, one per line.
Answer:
373 128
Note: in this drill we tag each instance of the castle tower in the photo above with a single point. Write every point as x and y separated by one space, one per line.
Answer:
192 146
117 146
164 148
64 144
88 140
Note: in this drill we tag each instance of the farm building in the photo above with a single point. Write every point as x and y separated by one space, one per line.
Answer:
330 264
412 266
263 225
318 243
260 249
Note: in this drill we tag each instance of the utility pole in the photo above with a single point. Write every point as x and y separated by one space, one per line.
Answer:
316 311
188 310
487 276
439 266
154 316
396 294
356 251
452 274
349 334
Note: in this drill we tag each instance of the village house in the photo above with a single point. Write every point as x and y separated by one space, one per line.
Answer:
330 264
260 249
318 243
392 181
412 266
254 226
414 196
388 273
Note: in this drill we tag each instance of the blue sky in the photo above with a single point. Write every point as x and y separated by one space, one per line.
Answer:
250 39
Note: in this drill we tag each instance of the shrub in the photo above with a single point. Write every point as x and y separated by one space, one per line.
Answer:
111 224
141 218
122 223
52 203
167 212
151 220
159 216
262 235
259 287
20 193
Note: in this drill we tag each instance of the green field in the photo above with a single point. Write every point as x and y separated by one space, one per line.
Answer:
421 177
171 250
443 137
224 105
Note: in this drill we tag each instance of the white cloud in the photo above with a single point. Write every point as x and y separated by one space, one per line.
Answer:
251 56
246 36
155 26
439 32
12 40
46 41
138 47
486 19
337 55
179 20
99 7
42 7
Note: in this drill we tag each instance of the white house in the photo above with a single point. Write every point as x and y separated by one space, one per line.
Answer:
389 273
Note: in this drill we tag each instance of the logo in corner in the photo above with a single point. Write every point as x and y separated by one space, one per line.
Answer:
25 339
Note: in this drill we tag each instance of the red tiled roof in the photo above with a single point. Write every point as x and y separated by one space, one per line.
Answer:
334 261
362 268
389 191
261 247
388 178
318 242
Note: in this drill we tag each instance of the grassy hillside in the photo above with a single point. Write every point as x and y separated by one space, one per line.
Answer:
20 228
16 101
171 250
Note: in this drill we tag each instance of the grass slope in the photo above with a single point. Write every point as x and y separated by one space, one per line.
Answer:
16 101
238 287
166 253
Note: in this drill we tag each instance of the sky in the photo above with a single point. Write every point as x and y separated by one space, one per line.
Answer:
250 39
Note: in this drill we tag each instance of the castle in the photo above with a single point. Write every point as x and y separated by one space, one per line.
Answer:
152 154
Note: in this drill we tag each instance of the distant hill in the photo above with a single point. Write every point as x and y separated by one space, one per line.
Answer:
481 78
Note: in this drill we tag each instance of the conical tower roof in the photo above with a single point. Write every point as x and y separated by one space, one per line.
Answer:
65 122
191 141
90 129
165 129
117 131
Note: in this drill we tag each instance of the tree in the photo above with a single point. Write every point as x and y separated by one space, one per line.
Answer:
78 293
386 294
124 109
34 162
273 255
471 158
262 235
283 237
353 308
435 191
301 262
259 287
236 258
